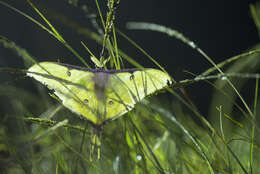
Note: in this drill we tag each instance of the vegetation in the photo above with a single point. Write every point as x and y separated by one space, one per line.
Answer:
39 135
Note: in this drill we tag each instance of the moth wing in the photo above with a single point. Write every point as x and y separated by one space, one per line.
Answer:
145 82
129 88
119 98
74 87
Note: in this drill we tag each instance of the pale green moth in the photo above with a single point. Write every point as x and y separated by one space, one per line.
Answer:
99 95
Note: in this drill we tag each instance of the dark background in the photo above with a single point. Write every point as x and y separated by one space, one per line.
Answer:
221 28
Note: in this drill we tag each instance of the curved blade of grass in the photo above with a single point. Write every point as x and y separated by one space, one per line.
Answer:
100 14
117 60
230 60
85 46
224 76
51 123
58 36
48 23
162 29
253 128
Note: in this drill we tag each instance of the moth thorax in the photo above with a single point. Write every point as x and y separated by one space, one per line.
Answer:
100 80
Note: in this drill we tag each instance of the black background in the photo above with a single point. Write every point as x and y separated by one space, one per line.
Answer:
221 28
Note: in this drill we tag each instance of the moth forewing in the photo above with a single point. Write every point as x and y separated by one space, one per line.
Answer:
71 89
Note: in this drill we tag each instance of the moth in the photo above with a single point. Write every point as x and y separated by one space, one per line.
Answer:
99 95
